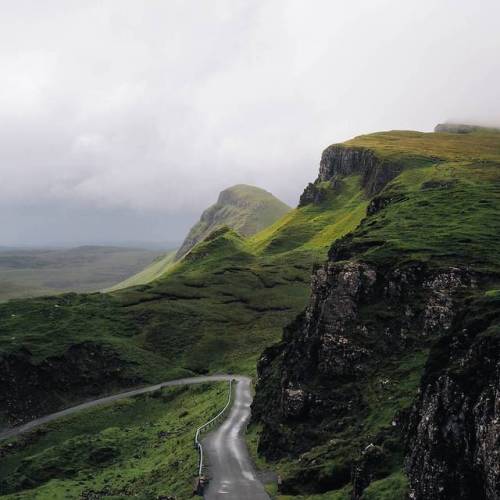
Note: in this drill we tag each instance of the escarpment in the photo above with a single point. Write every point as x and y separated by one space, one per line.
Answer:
360 322
338 161
355 356
453 436
389 380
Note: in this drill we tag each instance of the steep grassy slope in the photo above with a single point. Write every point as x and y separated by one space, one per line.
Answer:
246 209
152 272
231 296
141 446
35 272
418 275
216 309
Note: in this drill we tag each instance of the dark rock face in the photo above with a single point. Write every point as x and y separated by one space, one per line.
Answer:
455 128
369 467
338 161
312 385
454 432
380 202
312 194
84 370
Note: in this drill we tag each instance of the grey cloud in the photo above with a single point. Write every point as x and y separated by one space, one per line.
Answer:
116 108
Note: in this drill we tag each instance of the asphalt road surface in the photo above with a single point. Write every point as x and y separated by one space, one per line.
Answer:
231 472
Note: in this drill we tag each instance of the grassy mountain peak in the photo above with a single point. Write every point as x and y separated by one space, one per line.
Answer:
246 209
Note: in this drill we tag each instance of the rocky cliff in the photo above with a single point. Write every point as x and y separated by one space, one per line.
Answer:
338 161
392 371
453 435
246 209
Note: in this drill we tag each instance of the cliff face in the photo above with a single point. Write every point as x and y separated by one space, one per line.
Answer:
246 209
361 327
339 161
453 437
351 395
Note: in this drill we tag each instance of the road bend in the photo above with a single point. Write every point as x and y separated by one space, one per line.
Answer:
231 471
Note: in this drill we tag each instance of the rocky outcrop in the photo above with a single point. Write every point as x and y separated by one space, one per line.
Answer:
313 385
312 194
456 128
338 161
31 389
453 438
378 203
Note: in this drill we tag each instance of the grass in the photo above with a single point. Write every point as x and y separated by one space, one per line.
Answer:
312 228
396 145
343 494
458 223
140 446
155 270
246 209
218 308
393 487
442 210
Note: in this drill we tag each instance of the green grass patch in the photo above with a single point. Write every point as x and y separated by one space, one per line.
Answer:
141 446
393 487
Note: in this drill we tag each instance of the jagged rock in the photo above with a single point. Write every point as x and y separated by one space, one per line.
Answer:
371 465
456 128
338 161
454 432
312 194
380 202
312 383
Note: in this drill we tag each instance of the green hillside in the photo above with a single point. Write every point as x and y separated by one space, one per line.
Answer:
217 308
246 209
407 298
137 446
231 296
407 198
156 269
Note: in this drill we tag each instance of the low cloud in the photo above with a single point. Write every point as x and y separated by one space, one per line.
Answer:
153 107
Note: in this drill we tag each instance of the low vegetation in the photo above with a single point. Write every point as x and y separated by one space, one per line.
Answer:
152 272
140 447
246 209
231 296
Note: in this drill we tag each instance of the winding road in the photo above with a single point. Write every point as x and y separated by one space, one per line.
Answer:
231 471
232 474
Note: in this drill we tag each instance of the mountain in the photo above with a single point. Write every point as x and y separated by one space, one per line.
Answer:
246 209
371 310
216 309
388 381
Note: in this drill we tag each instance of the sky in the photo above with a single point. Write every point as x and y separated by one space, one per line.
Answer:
120 121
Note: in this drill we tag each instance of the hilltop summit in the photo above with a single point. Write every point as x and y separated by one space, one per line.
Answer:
246 209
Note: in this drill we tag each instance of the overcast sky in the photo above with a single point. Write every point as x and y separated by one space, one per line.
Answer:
122 120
